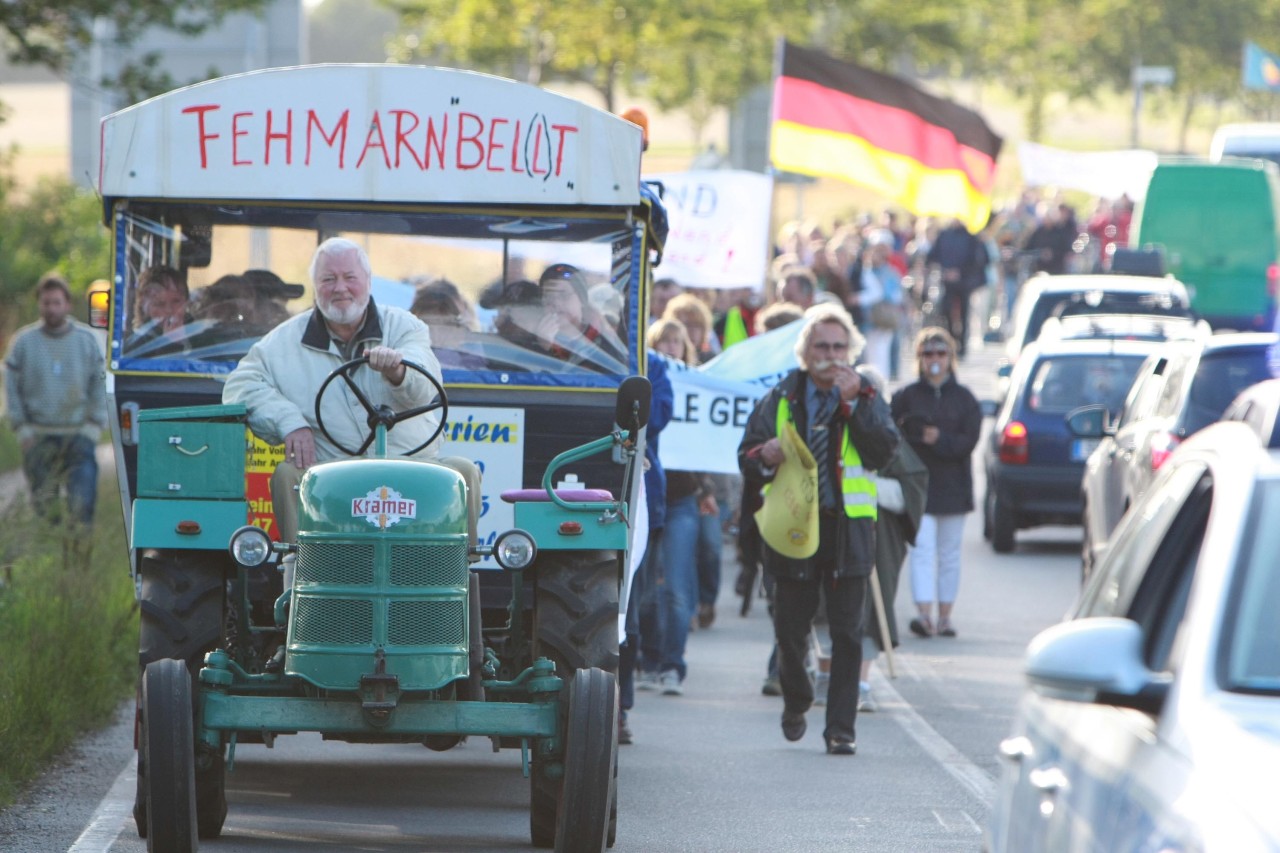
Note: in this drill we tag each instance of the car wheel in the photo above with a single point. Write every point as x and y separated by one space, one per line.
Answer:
987 501
1002 526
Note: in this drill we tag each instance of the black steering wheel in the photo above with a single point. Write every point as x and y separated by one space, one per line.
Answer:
384 415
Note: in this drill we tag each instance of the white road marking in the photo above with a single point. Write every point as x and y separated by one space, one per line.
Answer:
109 818
952 760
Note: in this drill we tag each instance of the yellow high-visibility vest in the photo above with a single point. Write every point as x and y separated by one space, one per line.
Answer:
857 487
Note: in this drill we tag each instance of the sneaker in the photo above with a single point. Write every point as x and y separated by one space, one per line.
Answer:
706 615
670 682
624 731
646 680
772 687
866 704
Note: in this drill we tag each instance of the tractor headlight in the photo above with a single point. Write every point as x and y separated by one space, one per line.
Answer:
514 550
250 546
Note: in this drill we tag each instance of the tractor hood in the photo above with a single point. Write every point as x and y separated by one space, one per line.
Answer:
397 496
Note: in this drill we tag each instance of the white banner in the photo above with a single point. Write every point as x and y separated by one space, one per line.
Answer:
719 227
713 402
1108 174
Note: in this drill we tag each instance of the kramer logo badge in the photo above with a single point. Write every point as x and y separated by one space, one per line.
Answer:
383 507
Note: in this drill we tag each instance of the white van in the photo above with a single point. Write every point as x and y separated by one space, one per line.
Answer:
1256 139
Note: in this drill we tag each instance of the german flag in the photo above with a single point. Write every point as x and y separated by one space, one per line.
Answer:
835 119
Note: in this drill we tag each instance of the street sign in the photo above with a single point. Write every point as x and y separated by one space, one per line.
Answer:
1153 75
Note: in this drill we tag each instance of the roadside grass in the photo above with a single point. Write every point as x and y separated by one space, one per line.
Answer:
10 453
68 634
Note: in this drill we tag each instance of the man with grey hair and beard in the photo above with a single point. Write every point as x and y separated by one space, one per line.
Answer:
278 379
849 431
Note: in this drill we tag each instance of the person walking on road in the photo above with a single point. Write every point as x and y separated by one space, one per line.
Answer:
941 420
850 432
56 396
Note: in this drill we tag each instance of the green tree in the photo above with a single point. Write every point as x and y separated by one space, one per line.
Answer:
38 32
54 225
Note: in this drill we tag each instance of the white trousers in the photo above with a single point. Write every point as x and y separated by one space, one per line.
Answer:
935 559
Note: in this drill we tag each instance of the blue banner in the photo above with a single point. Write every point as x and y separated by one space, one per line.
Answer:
1261 68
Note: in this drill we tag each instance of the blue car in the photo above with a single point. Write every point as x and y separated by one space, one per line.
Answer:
1033 459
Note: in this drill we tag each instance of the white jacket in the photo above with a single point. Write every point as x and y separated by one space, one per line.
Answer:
278 379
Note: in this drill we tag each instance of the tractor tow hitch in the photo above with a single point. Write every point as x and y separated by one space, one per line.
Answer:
380 691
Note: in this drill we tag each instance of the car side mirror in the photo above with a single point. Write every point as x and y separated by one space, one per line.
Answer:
1088 421
1096 659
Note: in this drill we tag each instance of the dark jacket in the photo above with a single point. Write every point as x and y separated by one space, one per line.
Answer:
955 248
954 410
661 405
873 435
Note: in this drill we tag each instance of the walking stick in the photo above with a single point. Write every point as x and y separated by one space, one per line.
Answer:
878 602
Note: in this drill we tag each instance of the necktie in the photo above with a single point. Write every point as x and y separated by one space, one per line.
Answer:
819 442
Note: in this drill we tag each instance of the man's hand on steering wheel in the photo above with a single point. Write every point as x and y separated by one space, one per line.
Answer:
387 361
382 415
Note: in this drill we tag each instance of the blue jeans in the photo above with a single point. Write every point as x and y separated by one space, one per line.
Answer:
678 596
710 542
60 463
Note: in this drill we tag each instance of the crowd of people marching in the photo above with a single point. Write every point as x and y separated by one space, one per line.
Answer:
917 291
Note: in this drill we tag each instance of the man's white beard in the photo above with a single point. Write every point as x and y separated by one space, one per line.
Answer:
344 317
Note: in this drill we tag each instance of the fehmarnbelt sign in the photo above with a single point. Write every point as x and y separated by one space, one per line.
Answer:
372 133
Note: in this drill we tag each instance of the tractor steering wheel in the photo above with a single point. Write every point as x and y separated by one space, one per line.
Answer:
384 415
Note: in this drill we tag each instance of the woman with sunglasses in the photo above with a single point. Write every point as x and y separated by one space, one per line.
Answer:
941 420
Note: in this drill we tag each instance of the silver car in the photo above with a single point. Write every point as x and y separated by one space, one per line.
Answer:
1152 717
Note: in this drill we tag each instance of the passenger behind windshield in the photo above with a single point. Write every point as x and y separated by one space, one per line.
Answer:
571 328
161 313
451 320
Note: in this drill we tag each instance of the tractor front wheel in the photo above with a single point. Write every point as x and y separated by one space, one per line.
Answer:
167 758
591 738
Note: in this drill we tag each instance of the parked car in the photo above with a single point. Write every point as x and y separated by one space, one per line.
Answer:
1032 459
1044 296
1182 388
1149 718
1127 327
1257 407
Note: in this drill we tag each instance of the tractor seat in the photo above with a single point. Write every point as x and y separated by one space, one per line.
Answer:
572 495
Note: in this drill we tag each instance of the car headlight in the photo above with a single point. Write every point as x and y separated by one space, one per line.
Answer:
514 550
250 546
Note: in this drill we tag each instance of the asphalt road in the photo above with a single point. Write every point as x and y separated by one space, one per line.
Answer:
709 770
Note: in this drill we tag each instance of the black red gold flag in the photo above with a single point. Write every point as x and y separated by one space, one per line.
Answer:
835 119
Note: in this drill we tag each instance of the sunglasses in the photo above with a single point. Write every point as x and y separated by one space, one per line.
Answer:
935 353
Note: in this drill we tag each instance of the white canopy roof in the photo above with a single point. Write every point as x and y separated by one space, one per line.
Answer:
376 133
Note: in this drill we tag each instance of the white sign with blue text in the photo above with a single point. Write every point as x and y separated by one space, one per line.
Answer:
493 438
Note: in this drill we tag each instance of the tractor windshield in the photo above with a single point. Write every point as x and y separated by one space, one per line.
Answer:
515 298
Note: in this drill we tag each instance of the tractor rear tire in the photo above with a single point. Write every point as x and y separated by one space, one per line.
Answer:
544 803
575 621
167 758
182 606
591 738
211 795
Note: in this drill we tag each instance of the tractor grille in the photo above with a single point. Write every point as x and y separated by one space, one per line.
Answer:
420 623
335 563
431 564
333 621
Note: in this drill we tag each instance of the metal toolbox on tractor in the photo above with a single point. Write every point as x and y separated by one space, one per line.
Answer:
192 452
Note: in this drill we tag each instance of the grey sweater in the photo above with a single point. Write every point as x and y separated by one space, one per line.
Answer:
54 382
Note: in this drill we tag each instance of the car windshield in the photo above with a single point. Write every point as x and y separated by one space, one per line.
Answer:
1221 376
1057 304
1062 383
510 299
1251 630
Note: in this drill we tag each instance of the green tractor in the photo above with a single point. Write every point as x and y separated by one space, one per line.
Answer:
411 609
383 641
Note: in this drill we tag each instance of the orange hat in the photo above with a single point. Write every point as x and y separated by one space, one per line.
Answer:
635 115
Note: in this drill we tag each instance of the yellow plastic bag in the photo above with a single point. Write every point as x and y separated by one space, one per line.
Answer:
789 518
